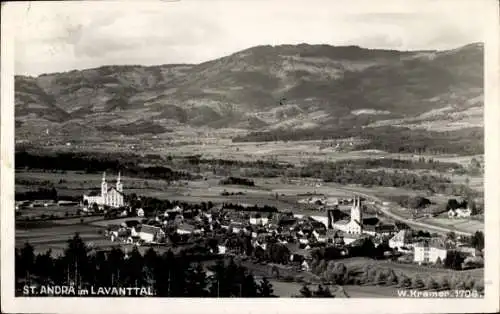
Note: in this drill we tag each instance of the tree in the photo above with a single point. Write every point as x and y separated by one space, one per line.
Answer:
453 260
469 282
26 261
196 281
392 278
473 207
452 204
432 284
405 281
417 282
134 268
76 259
305 291
477 240
381 277
322 292
479 286
439 262
444 283
451 236
265 289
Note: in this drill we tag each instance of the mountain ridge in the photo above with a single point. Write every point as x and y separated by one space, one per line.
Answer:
256 89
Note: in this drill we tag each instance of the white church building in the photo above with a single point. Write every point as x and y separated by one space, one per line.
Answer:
112 197
355 224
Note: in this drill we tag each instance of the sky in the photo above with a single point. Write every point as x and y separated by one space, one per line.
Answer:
62 36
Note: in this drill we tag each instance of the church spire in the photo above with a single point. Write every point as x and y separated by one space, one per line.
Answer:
119 186
104 185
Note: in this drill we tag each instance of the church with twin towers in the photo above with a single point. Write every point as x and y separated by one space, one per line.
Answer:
109 196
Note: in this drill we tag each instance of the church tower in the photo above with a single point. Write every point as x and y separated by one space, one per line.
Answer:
356 216
104 187
119 186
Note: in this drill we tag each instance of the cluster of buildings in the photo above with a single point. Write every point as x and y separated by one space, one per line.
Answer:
432 250
296 231
459 213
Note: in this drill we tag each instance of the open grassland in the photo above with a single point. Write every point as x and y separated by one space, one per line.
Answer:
296 152
54 235
466 224
358 263
356 291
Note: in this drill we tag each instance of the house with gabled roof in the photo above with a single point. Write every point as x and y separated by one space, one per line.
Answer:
402 239
150 234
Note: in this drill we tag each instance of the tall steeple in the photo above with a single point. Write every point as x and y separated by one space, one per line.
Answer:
119 186
104 185
356 210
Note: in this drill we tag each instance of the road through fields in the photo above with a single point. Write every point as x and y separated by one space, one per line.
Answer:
417 224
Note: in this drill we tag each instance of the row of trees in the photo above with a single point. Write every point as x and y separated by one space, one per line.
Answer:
338 173
237 181
337 273
255 208
39 194
170 275
129 165
421 163
259 163
391 139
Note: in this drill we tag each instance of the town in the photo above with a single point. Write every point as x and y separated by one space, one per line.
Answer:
280 245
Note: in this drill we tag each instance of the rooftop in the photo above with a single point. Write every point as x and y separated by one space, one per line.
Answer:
434 243
150 229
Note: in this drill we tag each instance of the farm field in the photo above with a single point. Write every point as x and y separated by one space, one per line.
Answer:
466 224
54 235
353 291
292 289
358 263
57 211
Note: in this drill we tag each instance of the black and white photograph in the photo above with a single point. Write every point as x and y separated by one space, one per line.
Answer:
297 150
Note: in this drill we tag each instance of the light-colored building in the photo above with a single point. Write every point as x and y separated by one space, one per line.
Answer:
429 251
112 197
459 213
402 239
140 212
260 221
222 249
185 229
469 251
151 234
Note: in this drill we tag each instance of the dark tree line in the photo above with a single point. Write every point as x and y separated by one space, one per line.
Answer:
421 163
391 139
168 274
237 181
334 172
39 194
197 160
255 208
92 163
